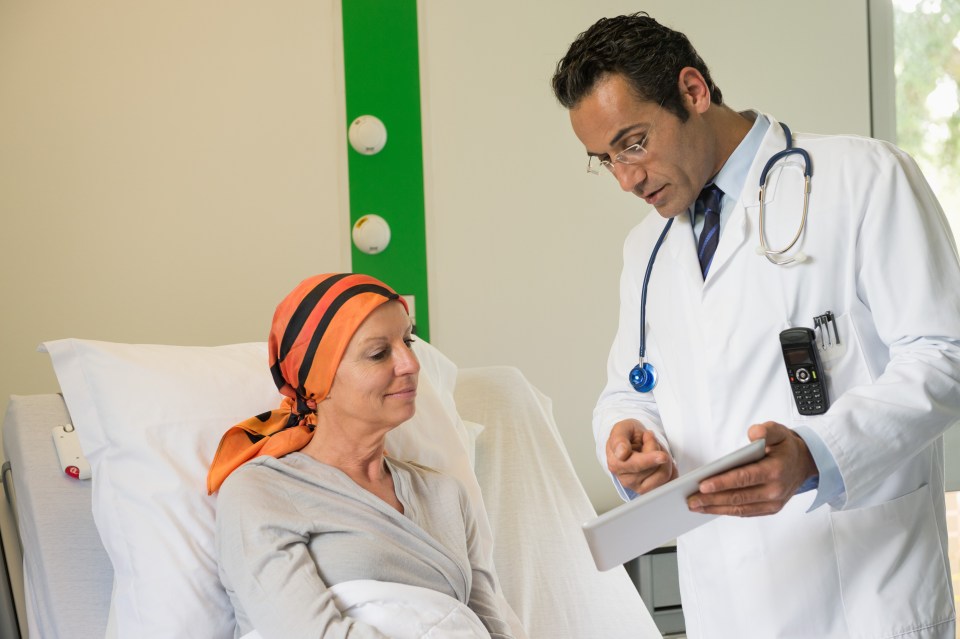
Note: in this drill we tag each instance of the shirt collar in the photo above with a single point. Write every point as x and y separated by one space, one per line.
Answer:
733 175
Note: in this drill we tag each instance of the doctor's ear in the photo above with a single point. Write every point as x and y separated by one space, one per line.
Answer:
694 90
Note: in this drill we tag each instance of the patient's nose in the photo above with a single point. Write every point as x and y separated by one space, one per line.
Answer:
407 362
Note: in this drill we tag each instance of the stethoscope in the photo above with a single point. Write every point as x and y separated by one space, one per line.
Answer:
777 256
643 377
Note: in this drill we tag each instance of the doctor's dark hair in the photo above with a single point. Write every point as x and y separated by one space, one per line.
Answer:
641 49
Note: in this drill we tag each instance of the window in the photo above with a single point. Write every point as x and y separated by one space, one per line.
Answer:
915 52
916 62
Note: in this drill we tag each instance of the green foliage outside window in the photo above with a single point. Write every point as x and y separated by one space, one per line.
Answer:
927 69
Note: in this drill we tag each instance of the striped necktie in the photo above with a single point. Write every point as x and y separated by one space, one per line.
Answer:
711 197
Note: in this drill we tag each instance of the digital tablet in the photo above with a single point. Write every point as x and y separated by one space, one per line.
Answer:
653 519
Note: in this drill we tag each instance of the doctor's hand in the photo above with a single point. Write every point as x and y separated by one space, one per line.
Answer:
763 487
637 459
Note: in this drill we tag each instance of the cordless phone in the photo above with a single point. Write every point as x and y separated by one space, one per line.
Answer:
804 370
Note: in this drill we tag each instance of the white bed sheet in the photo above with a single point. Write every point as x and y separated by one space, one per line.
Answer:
536 506
402 611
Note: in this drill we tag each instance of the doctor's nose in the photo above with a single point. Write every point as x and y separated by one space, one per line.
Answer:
630 176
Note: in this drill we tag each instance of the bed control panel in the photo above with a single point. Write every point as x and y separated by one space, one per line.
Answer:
71 457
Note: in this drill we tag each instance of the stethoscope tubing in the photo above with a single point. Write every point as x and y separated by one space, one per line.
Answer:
773 255
643 377
646 281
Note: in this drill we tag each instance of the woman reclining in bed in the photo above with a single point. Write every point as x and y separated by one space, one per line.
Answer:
309 498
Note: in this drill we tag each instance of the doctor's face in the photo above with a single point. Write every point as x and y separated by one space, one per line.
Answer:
679 156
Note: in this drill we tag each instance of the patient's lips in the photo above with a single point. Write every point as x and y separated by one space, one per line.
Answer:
408 392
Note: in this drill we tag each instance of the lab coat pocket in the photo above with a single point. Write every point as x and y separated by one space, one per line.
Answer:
893 575
841 353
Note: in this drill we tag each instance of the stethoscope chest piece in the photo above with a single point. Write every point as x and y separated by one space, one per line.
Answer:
643 377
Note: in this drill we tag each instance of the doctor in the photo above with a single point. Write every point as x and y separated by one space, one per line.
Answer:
840 530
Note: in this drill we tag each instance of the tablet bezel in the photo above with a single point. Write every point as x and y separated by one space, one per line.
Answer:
655 518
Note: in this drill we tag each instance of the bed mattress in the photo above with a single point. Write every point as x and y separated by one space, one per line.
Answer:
67 574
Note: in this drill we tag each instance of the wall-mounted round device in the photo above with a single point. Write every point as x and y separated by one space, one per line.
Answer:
367 134
371 234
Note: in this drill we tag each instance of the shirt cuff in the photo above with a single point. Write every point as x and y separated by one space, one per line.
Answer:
625 493
828 482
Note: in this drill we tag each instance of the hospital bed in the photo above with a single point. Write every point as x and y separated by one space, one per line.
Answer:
488 426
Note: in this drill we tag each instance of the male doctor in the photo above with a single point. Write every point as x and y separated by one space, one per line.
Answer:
840 530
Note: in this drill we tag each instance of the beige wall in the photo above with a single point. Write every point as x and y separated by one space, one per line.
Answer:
167 167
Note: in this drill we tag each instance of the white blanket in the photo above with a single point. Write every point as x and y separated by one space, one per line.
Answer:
404 612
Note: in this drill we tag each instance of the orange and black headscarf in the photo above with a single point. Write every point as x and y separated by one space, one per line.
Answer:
311 329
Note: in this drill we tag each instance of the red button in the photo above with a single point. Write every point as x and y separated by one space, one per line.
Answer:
73 471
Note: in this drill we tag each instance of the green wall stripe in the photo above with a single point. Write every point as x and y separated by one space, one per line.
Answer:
382 76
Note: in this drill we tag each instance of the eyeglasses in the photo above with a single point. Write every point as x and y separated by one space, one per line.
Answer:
633 154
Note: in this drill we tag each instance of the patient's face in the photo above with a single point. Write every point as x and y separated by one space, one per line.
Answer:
375 387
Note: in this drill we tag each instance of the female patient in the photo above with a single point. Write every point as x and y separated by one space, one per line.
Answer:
319 502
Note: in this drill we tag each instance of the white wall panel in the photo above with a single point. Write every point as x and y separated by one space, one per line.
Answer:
524 248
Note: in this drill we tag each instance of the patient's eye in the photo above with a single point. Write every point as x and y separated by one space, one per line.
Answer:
409 341
380 354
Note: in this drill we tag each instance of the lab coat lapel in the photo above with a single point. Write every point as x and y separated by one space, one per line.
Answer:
732 238
683 246
683 251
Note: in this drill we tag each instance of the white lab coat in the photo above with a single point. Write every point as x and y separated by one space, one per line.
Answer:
874 562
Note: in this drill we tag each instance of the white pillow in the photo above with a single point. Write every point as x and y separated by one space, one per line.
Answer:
149 418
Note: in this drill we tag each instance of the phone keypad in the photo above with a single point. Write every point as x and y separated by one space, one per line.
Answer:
808 395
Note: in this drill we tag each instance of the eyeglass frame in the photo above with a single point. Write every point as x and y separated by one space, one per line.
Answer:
639 149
